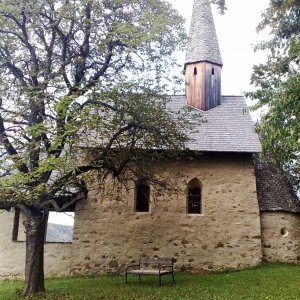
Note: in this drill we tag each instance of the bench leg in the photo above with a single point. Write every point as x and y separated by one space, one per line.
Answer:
173 278
140 277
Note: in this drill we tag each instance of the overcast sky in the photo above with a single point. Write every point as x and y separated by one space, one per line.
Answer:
237 35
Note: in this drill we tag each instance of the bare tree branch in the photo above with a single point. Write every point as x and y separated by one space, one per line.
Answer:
10 148
65 207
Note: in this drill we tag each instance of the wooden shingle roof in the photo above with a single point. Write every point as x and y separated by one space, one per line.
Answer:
226 128
203 42
274 191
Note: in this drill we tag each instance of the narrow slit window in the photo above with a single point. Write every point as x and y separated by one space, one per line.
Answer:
194 204
142 201
195 71
213 71
19 234
16 225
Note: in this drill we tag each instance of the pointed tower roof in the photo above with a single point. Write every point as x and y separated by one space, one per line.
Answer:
203 42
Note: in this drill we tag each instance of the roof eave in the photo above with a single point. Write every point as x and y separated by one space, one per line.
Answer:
202 61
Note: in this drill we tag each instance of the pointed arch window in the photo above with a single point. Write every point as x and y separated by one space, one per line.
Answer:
142 196
194 203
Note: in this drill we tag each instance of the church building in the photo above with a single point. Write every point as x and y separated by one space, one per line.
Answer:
234 210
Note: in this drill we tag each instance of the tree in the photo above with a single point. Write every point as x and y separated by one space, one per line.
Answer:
75 76
221 4
277 85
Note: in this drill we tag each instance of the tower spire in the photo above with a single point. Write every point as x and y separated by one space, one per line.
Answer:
203 59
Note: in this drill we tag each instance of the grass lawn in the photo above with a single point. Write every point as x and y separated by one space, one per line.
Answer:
271 281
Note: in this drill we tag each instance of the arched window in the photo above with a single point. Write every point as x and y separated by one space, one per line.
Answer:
194 205
142 196
195 71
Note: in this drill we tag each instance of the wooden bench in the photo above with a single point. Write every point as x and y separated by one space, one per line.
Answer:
152 266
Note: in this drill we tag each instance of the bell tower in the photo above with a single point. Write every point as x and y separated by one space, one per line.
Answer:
203 62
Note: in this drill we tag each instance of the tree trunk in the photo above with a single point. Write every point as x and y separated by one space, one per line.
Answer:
35 225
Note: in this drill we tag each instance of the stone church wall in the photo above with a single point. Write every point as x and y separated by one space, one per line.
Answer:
12 254
108 235
281 237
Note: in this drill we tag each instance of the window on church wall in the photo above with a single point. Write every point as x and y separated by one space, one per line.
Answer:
195 71
194 203
18 228
59 227
142 197
213 71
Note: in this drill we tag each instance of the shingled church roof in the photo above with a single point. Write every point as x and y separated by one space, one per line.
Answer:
226 128
203 42
274 191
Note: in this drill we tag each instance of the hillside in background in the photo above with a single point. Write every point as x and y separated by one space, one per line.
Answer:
59 233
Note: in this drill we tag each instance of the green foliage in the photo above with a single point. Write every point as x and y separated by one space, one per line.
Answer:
221 4
81 92
82 74
278 85
272 282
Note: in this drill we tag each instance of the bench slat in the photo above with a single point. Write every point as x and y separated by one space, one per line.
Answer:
148 272
156 260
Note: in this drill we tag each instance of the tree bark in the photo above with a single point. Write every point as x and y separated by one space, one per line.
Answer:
35 226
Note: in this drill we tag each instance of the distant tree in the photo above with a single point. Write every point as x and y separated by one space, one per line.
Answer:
221 4
277 85
74 76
